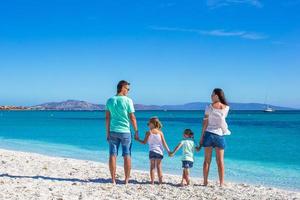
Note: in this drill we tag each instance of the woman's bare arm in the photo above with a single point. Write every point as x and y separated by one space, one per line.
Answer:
204 127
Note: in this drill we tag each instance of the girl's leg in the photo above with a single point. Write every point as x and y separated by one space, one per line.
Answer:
159 171
206 164
220 163
152 170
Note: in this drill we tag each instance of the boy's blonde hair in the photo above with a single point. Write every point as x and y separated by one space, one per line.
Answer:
155 121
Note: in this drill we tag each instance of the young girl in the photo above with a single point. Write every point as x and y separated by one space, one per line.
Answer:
156 141
188 148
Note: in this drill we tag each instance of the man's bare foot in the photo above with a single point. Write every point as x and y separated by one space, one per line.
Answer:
113 182
205 183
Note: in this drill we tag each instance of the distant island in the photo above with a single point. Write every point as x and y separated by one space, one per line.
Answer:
83 105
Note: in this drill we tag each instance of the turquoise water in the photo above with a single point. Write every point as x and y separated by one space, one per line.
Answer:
264 148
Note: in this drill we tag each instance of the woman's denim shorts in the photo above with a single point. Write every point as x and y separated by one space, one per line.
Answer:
213 140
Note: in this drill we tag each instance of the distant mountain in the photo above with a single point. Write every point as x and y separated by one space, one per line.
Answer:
255 106
83 105
233 106
68 105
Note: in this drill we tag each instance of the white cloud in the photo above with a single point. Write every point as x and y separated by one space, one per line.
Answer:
221 3
217 32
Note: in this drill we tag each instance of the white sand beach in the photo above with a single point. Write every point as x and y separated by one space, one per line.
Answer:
34 176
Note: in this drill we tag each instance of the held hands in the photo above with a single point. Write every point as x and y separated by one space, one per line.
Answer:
136 135
171 154
198 148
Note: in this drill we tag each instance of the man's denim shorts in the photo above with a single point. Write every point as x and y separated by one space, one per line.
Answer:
187 164
214 140
116 139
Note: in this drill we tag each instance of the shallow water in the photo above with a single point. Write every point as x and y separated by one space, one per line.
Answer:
263 148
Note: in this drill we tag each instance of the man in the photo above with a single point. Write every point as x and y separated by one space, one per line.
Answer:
119 114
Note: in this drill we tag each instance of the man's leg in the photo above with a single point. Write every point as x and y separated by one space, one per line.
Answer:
114 143
127 167
112 168
126 148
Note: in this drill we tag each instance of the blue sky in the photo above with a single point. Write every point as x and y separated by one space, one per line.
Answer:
172 52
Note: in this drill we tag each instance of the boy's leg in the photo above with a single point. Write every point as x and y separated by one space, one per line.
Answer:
187 174
159 170
152 170
183 177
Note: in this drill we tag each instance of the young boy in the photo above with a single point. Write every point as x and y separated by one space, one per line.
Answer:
188 148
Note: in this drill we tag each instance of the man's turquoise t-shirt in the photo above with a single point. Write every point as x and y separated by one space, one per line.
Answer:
188 148
120 107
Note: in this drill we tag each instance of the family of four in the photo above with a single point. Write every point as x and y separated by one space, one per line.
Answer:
120 114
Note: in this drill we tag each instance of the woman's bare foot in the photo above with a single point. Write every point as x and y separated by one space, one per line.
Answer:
126 181
160 180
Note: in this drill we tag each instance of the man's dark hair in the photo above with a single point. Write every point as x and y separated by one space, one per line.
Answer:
121 84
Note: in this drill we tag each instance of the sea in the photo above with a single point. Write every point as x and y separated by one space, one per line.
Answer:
263 148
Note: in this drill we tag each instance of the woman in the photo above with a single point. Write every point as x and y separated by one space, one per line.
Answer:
213 130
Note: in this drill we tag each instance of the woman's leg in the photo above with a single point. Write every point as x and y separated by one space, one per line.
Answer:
206 164
152 170
159 170
220 163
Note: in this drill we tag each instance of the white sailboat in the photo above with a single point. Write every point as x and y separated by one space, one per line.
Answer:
269 109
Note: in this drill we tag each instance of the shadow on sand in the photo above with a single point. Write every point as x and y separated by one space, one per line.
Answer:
76 180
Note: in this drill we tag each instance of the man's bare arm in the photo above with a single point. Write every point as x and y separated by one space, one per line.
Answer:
107 121
134 124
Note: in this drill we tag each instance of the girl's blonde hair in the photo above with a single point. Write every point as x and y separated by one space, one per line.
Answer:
155 121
